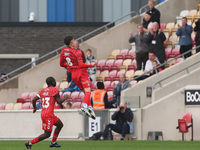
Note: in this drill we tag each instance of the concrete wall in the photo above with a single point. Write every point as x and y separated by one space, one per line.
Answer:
163 116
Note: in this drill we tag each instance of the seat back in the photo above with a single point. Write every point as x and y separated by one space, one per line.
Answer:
116 52
182 125
17 106
64 85
2 106
188 117
184 13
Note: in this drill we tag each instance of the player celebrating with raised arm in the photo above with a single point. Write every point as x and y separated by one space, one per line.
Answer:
72 60
48 97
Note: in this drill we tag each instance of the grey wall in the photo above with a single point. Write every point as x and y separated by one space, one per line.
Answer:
39 7
9 10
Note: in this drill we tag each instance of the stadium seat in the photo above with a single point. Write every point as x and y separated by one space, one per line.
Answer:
69 100
75 95
81 95
118 63
115 52
132 53
114 68
17 106
192 13
169 26
133 82
26 106
128 57
138 73
124 52
120 73
107 84
64 79
110 63
32 95
25 95
64 85
168 44
131 67
98 68
180 59
105 68
197 17
110 95
129 74
168 52
114 82
119 57
9 106
21 100
112 74
183 13
175 52
101 63
107 79
93 86
103 74
170 62
134 63
57 85
110 57
163 26
67 93
127 62
2 106
76 105
97 73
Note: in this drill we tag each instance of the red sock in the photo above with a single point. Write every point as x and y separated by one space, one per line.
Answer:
87 98
35 140
55 136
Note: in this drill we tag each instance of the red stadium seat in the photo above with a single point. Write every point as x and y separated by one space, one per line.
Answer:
107 84
26 106
112 74
180 59
176 52
134 63
110 63
21 100
105 68
168 52
98 68
67 93
69 100
74 95
107 79
2 106
114 68
131 67
163 26
77 100
116 79
101 63
120 73
94 86
128 57
133 82
25 96
119 57
132 53
110 95
118 62
110 88
76 105
32 95
124 52
81 95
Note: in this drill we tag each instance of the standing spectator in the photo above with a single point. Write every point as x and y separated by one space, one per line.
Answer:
153 12
140 40
156 38
123 117
100 97
89 60
185 41
146 22
197 29
122 85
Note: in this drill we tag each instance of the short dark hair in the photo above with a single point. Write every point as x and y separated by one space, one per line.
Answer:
89 50
152 52
68 39
184 18
100 85
50 81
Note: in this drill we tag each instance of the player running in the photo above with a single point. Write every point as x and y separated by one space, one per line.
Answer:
72 60
48 97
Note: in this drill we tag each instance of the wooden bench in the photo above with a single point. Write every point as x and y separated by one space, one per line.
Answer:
127 137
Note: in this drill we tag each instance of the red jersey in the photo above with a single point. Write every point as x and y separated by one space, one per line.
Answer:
48 100
70 59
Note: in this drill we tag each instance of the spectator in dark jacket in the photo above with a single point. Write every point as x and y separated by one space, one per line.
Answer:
185 41
156 38
122 85
153 12
141 51
123 117
197 29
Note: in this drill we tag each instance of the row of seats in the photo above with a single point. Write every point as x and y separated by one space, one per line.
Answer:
16 106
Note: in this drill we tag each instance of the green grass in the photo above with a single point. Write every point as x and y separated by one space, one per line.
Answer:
105 145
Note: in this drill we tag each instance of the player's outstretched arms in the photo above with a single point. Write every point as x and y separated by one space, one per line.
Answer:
61 100
83 65
34 103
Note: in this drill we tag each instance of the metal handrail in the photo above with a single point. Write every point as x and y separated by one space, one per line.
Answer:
132 14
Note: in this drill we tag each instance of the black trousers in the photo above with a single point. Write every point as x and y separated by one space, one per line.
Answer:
121 129
141 58
185 48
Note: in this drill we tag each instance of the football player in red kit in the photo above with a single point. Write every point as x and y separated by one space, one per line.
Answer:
72 60
48 97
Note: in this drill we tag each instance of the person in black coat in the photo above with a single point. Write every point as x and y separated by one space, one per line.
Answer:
123 117
156 40
153 12
197 29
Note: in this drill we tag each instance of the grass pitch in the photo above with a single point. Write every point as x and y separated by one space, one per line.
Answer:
105 145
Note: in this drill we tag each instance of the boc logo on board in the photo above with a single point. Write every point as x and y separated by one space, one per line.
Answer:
192 97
